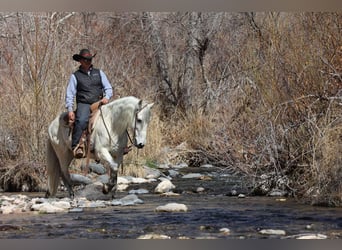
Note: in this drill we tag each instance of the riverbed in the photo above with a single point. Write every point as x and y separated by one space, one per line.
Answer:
212 214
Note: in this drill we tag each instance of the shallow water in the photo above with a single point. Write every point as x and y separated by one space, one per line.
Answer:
208 213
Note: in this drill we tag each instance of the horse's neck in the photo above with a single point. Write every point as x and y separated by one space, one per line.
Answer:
119 116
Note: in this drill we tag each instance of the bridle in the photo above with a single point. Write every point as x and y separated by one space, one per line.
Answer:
135 125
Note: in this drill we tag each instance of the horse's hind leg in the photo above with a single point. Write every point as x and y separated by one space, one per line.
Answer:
64 163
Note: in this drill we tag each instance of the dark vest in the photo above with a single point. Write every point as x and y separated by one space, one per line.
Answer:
89 87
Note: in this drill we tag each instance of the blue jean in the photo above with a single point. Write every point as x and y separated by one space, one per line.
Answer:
81 122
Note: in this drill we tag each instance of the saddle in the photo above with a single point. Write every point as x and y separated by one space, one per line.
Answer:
84 144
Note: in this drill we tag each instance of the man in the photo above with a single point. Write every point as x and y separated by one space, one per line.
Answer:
88 85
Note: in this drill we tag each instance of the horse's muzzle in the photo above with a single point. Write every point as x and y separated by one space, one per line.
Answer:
140 145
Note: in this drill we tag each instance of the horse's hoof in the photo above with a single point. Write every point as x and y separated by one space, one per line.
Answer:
105 189
47 194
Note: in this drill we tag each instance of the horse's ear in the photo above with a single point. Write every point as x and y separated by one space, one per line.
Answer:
140 103
150 105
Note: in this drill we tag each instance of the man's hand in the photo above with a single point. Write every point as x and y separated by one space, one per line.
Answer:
104 100
71 116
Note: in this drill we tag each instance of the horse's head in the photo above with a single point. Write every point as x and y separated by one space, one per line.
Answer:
140 123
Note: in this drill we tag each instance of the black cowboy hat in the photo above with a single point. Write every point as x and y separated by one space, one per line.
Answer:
84 54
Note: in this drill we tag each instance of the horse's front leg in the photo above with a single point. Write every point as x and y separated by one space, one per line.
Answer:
113 172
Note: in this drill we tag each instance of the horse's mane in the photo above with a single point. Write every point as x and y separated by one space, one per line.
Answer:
120 111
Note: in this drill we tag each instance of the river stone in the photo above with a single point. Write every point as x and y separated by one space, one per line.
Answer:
97 168
80 179
151 173
153 237
93 192
206 166
164 186
312 237
61 204
172 207
47 208
272 232
138 191
173 173
192 176
128 200
180 165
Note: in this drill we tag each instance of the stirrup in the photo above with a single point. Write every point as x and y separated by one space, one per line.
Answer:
78 152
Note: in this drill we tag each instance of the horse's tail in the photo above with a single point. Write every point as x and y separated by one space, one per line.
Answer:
53 170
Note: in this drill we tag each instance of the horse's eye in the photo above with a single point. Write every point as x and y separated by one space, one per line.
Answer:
139 121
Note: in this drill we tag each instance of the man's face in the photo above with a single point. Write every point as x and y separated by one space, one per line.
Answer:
85 62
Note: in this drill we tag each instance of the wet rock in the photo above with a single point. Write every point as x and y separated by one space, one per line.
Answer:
154 237
151 173
97 168
103 178
169 194
164 166
138 191
47 208
206 166
128 200
180 165
192 176
94 204
311 237
173 173
172 207
93 192
164 186
80 179
76 210
272 232
225 231
277 193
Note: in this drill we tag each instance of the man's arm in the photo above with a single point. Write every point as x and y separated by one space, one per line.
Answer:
107 87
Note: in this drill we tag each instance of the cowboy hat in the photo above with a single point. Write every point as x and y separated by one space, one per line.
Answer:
84 54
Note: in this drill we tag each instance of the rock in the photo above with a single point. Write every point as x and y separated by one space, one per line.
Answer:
225 231
192 176
164 166
80 179
103 178
151 173
138 191
277 193
153 237
61 204
272 232
97 168
311 237
93 192
173 173
241 196
206 166
164 186
172 207
76 210
128 200
47 208
200 190
169 194
180 165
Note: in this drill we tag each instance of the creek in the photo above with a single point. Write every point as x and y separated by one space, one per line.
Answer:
211 214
